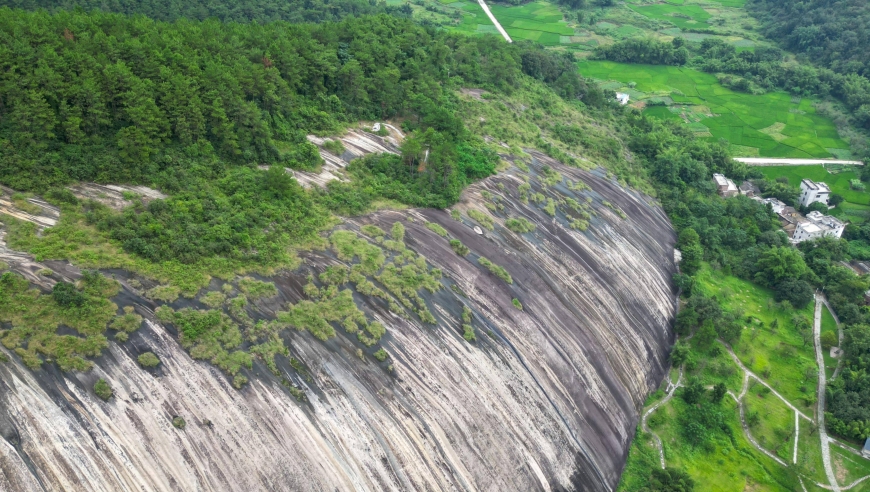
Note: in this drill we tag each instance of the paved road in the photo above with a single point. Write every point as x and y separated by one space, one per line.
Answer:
495 21
820 361
766 161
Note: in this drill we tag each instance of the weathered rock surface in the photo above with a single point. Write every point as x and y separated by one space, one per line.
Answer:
547 398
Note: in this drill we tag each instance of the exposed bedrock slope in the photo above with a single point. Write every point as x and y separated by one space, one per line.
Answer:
547 398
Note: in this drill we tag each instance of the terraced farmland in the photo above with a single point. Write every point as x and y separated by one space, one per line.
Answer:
682 16
768 125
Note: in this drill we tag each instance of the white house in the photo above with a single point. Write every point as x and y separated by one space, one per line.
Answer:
816 226
774 203
866 451
622 98
813 192
724 186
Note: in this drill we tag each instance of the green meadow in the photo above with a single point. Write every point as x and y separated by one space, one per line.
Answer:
829 325
848 467
776 352
767 125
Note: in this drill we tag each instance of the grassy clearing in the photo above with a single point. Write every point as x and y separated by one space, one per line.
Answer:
770 421
714 367
810 453
829 326
776 354
716 112
732 465
849 467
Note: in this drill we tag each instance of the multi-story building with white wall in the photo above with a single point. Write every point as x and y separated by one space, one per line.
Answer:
812 192
818 225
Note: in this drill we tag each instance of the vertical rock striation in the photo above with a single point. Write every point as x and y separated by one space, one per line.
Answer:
547 398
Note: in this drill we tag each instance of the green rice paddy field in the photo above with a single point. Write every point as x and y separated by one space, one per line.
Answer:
768 125
536 21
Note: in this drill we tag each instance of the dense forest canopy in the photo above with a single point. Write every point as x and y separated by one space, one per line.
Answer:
261 11
832 33
193 107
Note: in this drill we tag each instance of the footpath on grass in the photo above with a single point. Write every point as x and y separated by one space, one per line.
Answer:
672 387
820 361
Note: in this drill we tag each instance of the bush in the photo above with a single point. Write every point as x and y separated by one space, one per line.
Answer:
239 381
469 333
517 304
334 147
437 229
103 390
497 270
829 339
179 422
66 295
148 360
458 247
520 225
798 292
381 355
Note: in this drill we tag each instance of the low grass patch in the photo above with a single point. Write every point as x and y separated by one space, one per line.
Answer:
810 453
770 421
497 270
848 467
148 360
769 346
729 462
35 318
829 330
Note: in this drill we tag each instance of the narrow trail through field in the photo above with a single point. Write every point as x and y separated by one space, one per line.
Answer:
744 425
820 361
672 387
755 377
495 21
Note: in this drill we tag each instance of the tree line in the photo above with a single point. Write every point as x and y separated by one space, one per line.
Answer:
261 11
832 33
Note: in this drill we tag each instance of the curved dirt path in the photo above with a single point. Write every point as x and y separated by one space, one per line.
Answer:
501 30
820 362
749 436
672 387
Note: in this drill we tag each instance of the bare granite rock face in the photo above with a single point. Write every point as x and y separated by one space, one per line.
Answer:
546 398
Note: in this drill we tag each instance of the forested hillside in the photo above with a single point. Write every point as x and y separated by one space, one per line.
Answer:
192 108
261 11
832 33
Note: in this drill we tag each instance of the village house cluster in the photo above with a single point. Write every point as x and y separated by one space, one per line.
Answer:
798 227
